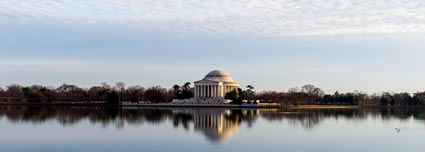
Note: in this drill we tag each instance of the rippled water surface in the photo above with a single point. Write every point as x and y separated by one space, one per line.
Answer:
103 129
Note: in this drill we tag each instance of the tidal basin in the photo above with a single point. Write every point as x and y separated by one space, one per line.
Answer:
98 128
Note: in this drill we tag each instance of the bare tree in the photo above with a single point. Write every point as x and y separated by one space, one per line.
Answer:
293 90
14 90
135 93
1 92
106 85
120 86
312 90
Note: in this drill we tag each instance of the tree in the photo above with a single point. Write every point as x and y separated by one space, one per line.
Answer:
37 94
182 92
177 91
14 90
105 85
47 95
69 92
112 96
120 87
293 90
419 99
402 99
95 93
386 99
135 93
155 94
2 92
312 90
234 96
249 92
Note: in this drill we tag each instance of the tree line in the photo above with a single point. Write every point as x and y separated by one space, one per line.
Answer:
105 93
312 95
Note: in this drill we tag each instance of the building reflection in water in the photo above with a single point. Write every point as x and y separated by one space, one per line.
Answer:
217 125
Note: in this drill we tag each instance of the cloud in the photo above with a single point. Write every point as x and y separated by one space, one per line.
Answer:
75 65
238 18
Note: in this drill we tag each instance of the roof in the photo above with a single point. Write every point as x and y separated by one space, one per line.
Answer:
218 76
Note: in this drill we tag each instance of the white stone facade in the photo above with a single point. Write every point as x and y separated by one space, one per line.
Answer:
211 89
215 84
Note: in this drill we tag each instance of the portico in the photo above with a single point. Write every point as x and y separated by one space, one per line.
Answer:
215 85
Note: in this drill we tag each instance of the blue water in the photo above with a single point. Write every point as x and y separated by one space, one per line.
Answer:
104 129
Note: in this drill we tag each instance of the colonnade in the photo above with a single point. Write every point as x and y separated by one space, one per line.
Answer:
210 90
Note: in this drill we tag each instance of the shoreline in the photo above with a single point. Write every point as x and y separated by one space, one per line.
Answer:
259 106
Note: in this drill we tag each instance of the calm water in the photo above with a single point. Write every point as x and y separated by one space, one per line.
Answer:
200 129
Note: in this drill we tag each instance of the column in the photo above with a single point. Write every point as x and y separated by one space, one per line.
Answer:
195 90
209 91
199 91
203 91
220 91
213 91
216 91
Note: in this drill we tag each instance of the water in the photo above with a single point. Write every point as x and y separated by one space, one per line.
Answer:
103 129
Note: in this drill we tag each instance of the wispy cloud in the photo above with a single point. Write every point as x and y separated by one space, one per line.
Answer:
75 65
244 18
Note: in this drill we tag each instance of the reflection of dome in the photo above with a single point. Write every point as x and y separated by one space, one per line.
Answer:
215 126
219 136
219 76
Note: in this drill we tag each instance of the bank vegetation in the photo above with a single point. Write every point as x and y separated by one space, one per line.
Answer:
118 93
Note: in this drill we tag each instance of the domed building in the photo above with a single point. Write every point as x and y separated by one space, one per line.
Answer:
215 85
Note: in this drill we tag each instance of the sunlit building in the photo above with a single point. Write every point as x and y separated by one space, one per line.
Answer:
211 89
215 84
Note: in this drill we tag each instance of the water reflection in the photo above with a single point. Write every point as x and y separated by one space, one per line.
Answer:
217 125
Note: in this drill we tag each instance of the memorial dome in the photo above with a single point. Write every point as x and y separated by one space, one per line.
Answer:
219 76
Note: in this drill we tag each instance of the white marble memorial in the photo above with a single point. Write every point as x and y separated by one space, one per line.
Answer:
212 88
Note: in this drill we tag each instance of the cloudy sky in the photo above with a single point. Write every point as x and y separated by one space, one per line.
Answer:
345 45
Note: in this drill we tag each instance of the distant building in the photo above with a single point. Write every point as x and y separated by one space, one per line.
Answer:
215 84
211 89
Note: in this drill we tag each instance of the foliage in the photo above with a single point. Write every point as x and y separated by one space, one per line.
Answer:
307 94
158 95
183 92
234 96
238 96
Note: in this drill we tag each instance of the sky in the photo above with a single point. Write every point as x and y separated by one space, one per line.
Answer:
337 45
